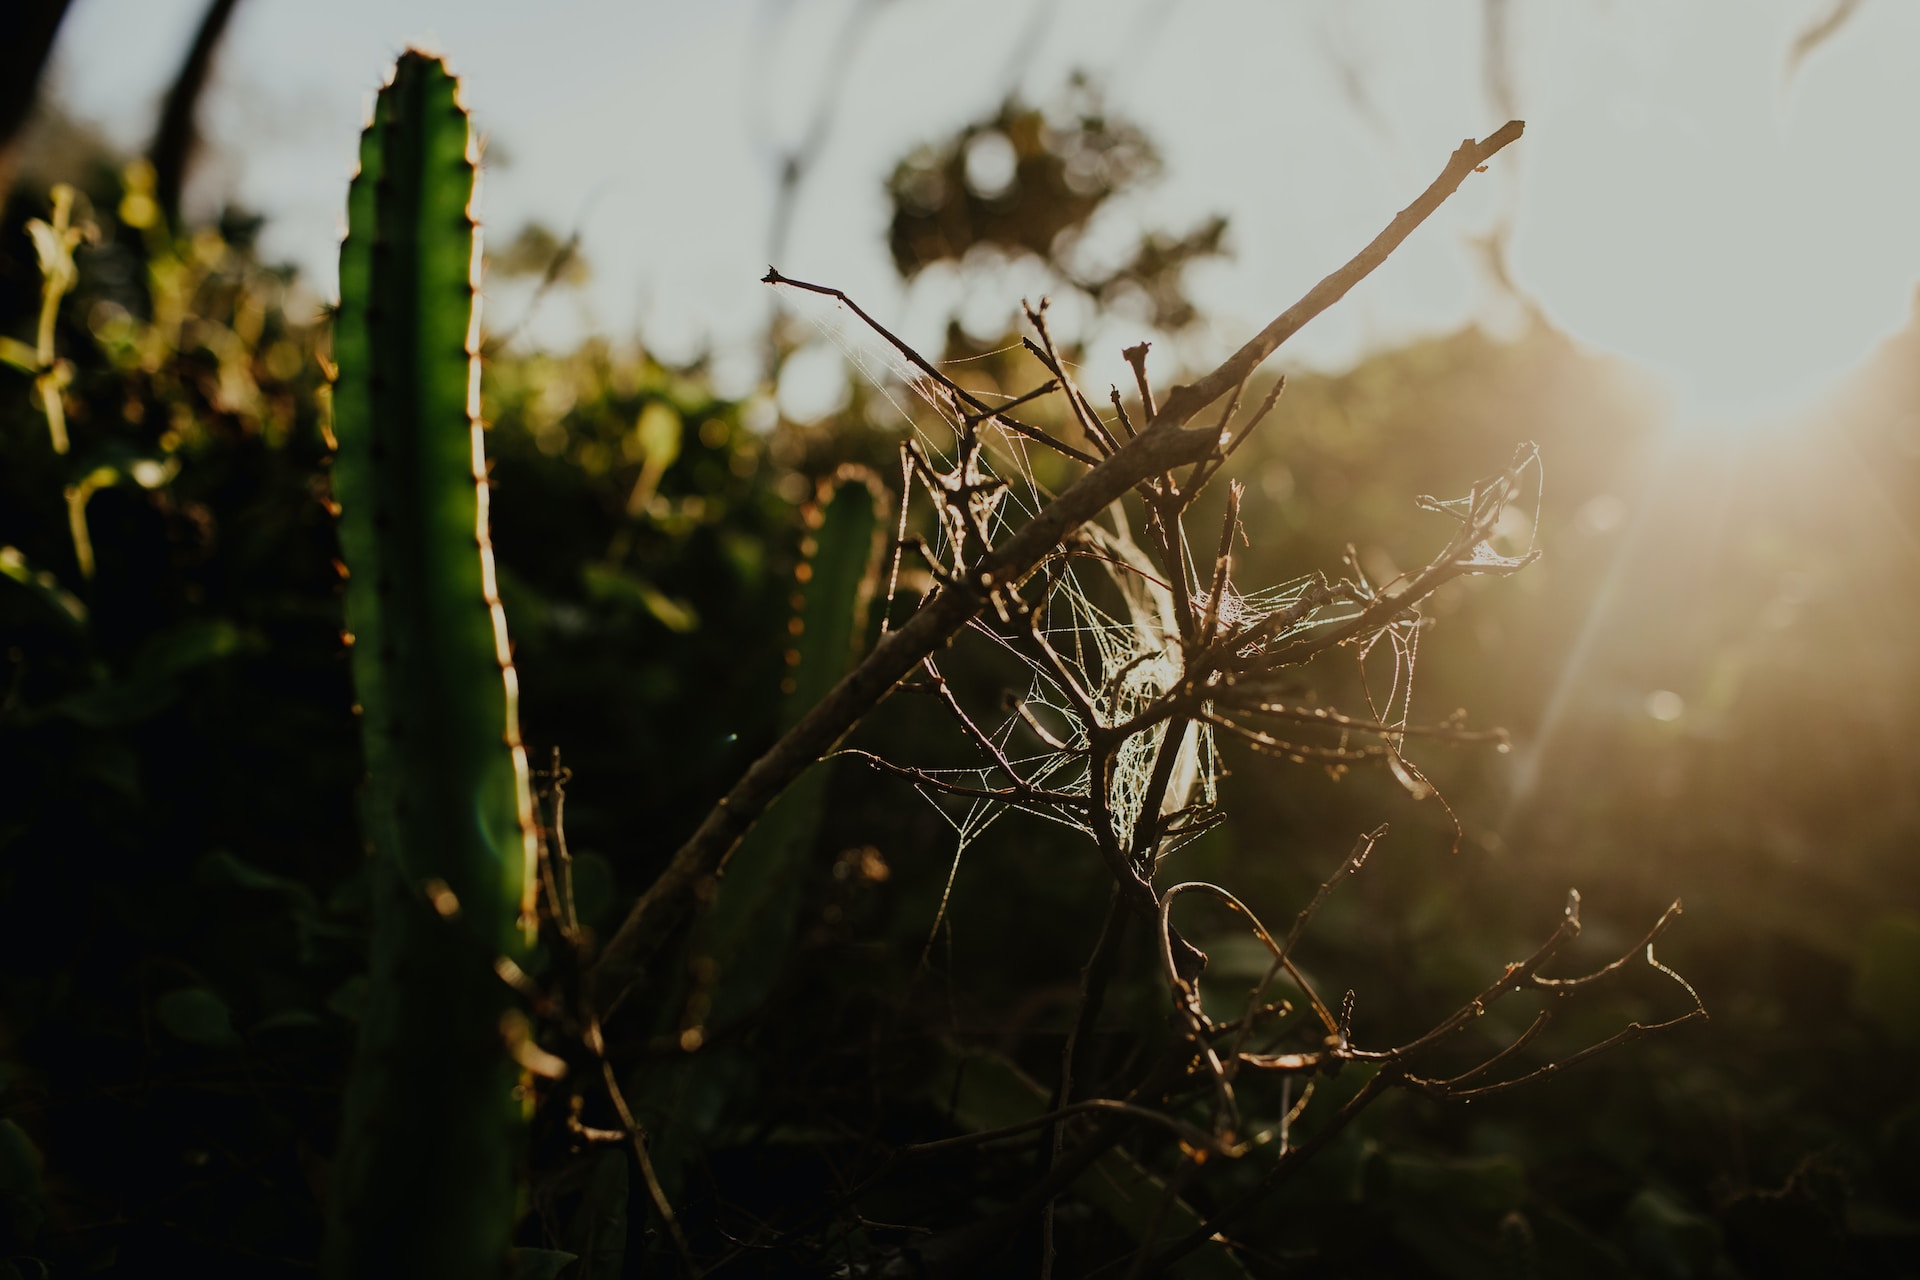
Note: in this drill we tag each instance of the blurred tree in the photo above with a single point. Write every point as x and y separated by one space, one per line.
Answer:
23 57
177 136
1024 183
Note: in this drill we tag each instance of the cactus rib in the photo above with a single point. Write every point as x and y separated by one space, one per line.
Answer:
424 1183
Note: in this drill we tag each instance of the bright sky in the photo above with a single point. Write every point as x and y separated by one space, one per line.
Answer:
1675 199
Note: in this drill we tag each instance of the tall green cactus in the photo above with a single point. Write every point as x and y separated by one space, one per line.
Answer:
424 1183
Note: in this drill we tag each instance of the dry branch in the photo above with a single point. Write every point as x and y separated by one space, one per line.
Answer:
1163 444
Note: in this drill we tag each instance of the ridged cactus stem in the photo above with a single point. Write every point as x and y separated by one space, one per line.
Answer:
743 937
424 1181
742 944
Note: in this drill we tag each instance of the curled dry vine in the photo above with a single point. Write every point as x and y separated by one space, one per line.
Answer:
1139 656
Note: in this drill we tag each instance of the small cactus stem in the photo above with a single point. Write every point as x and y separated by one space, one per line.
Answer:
741 939
834 585
424 1183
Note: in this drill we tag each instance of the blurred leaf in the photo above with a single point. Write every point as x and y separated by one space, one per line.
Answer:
658 432
586 1207
537 251
657 436
188 645
1667 1240
21 1191
1519 1255
349 999
112 762
1568 1251
301 906
1456 1214
62 603
1484 1185
198 1016
608 583
982 1090
540 1264
288 1020
151 681
111 705
222 867
1027 183
1794 1231
1887 983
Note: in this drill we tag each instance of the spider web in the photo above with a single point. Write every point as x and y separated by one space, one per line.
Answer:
1123 661
1122 656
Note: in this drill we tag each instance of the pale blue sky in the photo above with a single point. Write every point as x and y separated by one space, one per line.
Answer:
1675 199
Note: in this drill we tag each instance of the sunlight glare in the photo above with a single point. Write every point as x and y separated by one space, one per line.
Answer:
1749 240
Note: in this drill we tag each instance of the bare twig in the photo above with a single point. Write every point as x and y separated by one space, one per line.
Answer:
654 1191
1198 1138
1144 692
1089 421
1163 444
1282 1171
1136 356
1208 469
1120 412
1283 954
1327 717
1183 402
1222 563
1449 1089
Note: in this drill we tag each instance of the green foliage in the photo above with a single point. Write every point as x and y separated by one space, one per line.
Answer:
179 839
980 1090
182 761
152 714
424 1183
1887 986
22 1190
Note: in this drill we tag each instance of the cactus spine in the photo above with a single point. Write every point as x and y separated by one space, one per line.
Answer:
424 1182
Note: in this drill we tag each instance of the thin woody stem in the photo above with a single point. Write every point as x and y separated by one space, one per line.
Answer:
1163 444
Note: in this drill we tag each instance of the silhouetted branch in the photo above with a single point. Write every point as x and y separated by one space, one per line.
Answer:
177 136
1183 402
1187 1133
1162 445
23 58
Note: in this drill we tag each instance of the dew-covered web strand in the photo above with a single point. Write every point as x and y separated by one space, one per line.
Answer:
1404 637
885 370
1122 663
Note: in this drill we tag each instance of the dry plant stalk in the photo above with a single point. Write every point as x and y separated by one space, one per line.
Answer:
1164 444
1180 657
